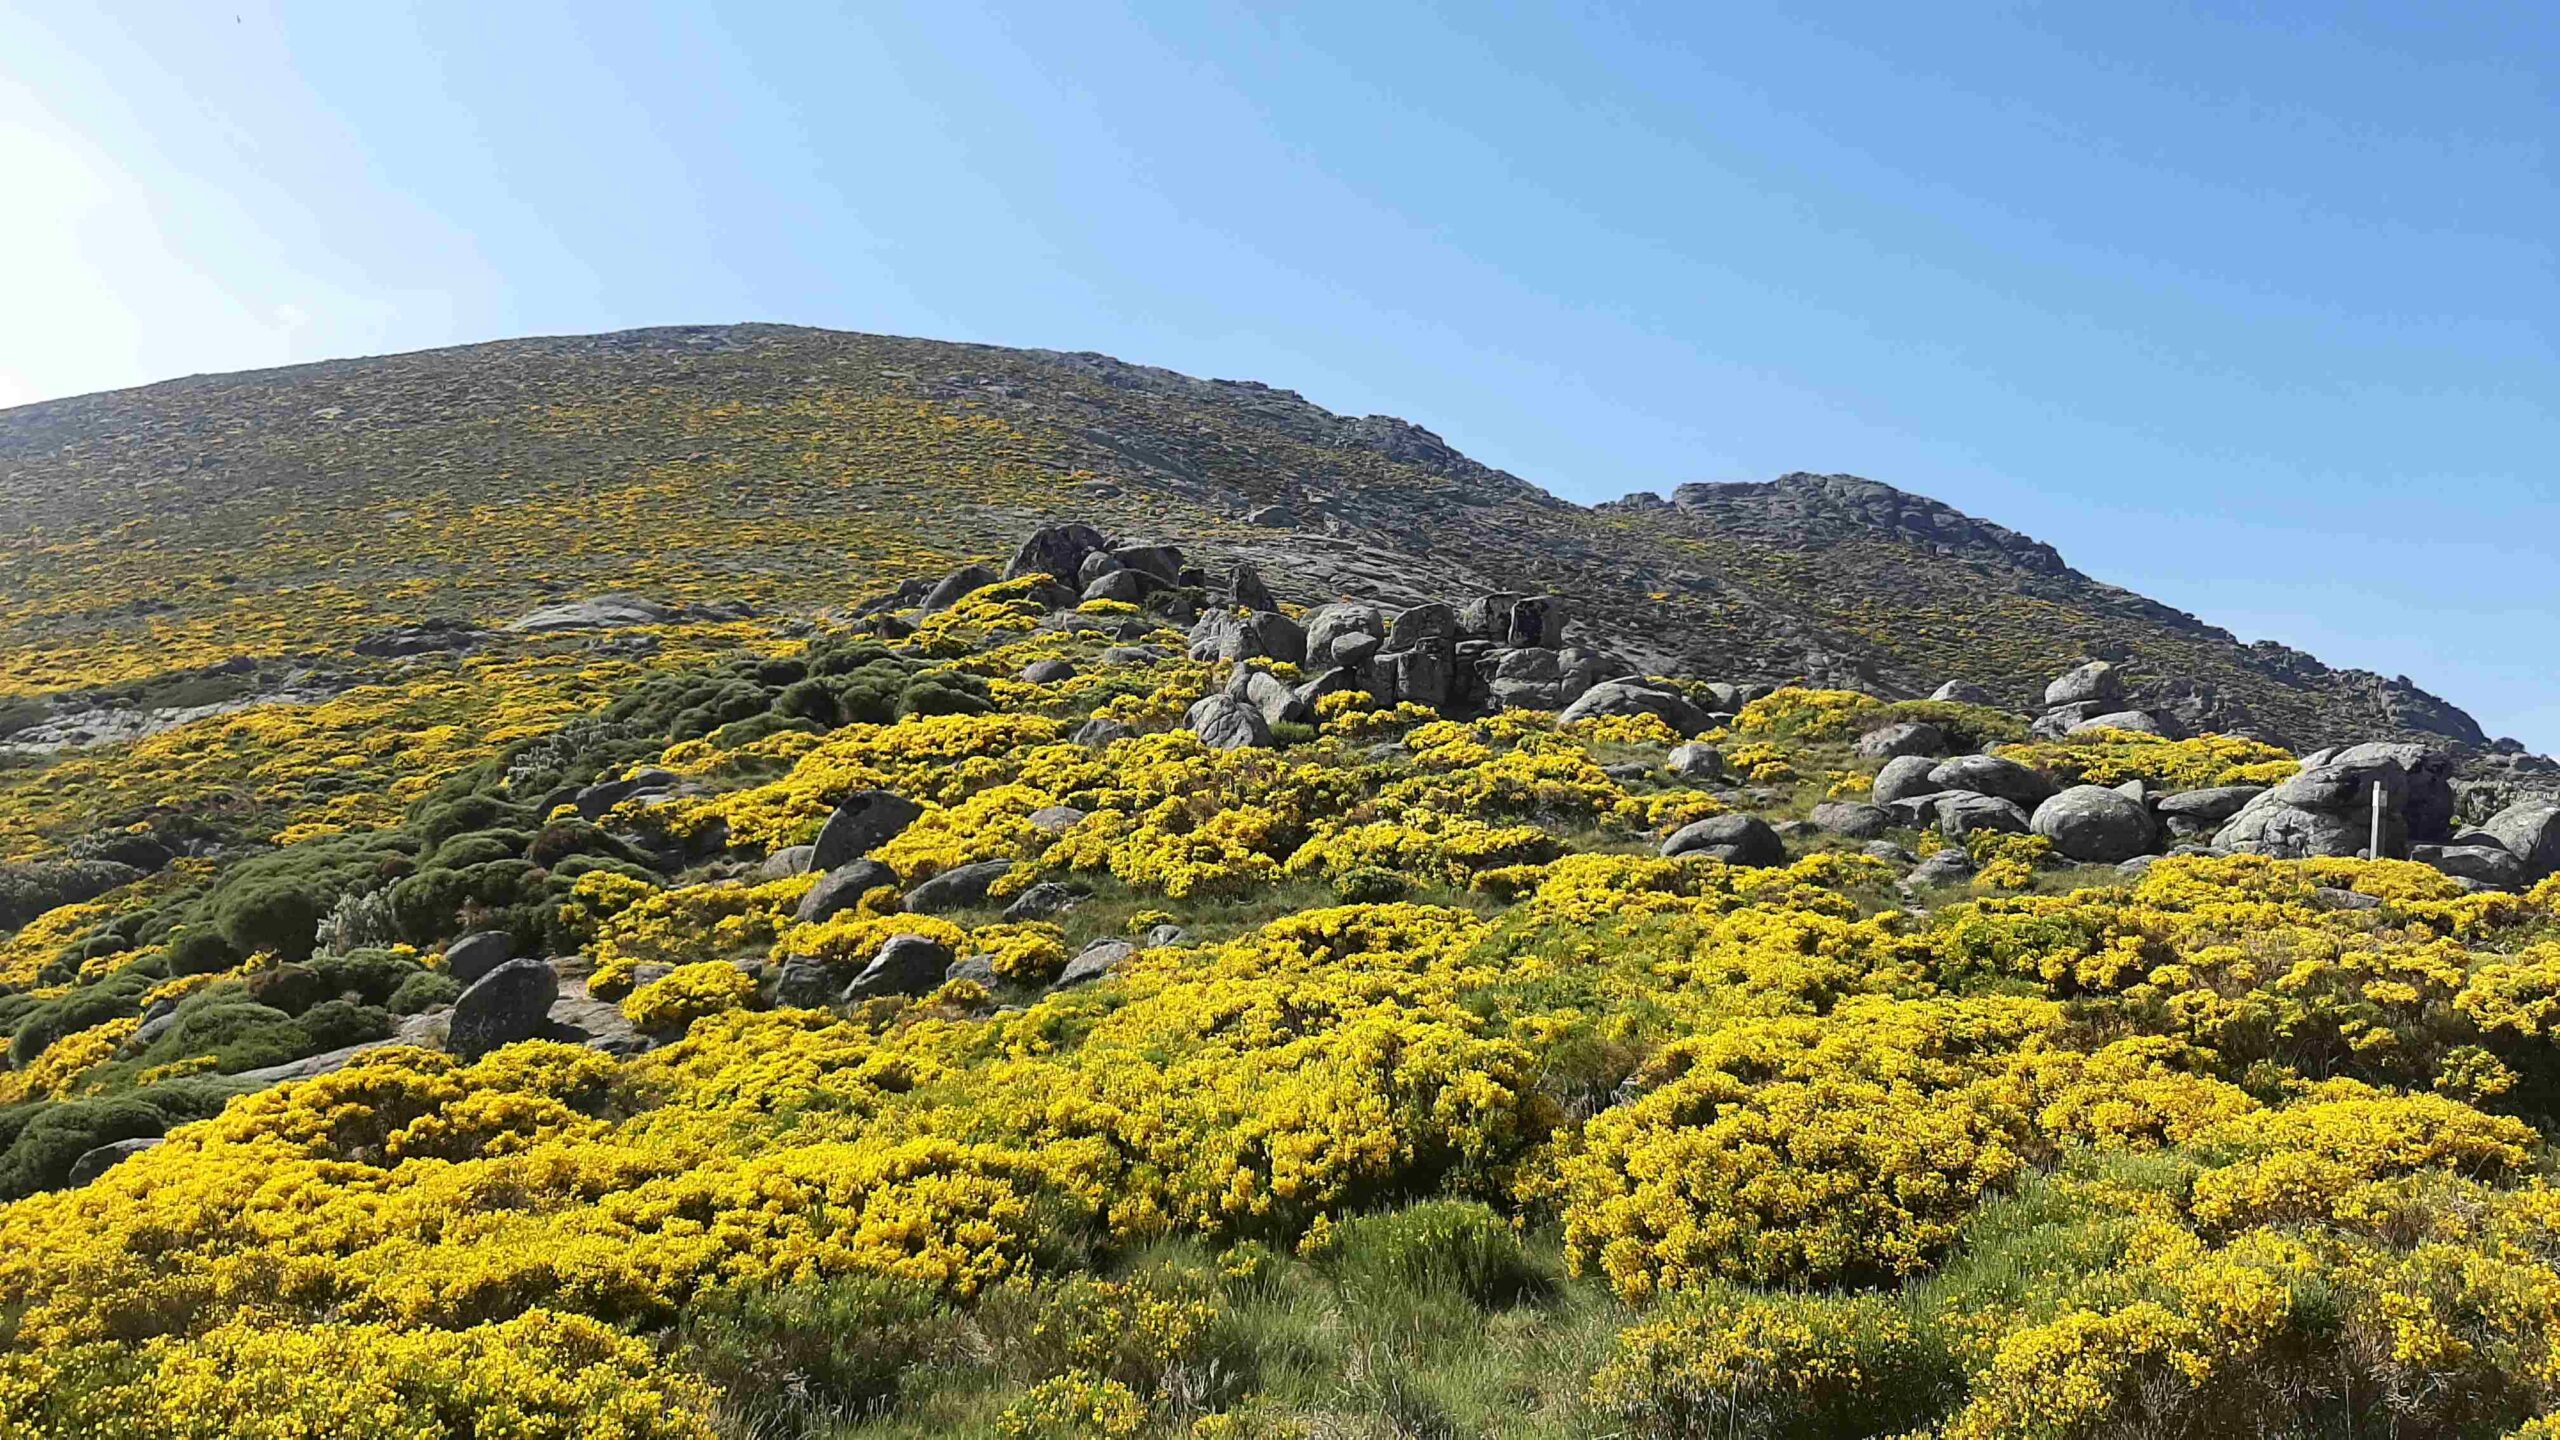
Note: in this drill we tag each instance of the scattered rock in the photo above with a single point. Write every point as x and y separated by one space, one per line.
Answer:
842 889
977 969
1225 723
2094 825
2138 722
1991 775
604 612
1054 819
2191 813
1048 672
1628 697
508 1004
1098 732
865 820
478 953
1888 850
803 984
1157 937
957 888
1851 819
1040 902
1733 839
1903 777
1056 551
1695 761
786 862
2095 681
2429 804
2494 865
1961 812
1246 591
1127 586
96 1162
957 585
1950 866
2530 831
1906 739
1095 961
1963 692
906 965
2325 810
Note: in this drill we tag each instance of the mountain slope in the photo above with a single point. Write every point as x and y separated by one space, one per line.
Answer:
264 514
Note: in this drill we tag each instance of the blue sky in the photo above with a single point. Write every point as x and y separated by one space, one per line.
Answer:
2250 308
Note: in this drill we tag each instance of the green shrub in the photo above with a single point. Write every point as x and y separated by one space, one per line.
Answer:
40 1156
793 1359
280 914
1444 1246
424 991
1370 885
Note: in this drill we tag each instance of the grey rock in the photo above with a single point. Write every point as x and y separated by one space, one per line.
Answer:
508 1004
2325 810
1889 742
1164 562
1795 829
1055 819
1991 775
1040 901
1355 649
1277 702
958 585
1135 654
478 953
603 612
865 820
803 984
1888 850
1157 937
843 888
786 862
2337 898
1225 723
1851 819
1961 812
1097 733
1533 664
2430 802
1950 866
1733 839
1696 761
97 1161
1488 617
2197 812
2095 825
1421 626
1127 586
1327 624
2530 831
1424 677
957 888
1963 692
979 969
2493 865
2138 722
1095 566
1903 777
2094 681
1093 962
2138 866
1056 551
1916 812
327 1062
906 965
1246 590
1538 620
1627 697
1048 672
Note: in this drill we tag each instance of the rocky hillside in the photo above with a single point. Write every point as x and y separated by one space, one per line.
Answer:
254 517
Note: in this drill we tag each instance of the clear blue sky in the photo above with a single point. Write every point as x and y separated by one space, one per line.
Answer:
2249 307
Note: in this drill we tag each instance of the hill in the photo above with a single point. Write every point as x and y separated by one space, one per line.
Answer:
259 514
670 887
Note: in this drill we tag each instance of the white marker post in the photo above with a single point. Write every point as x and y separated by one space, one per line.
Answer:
2376 851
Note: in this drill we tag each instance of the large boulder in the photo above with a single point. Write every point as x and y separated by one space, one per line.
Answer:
906 965
2325 810
1164 562
1225 723
1903 777
1278 703
952 588
1696 761
1963 692
478 953
843 888
510 1003
1629 697
1093 962
2095 681
1056 551
98 1160
1327 624
1423 625
2430 802
1260 635
1488 617
1537 620
2530 830
1962 812
1911 737
2191 813
865 820
1991 775
957 888
1852 819
1246 589
2138 722
1426 676
2487 864
2095 825
1733 839
1127 586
